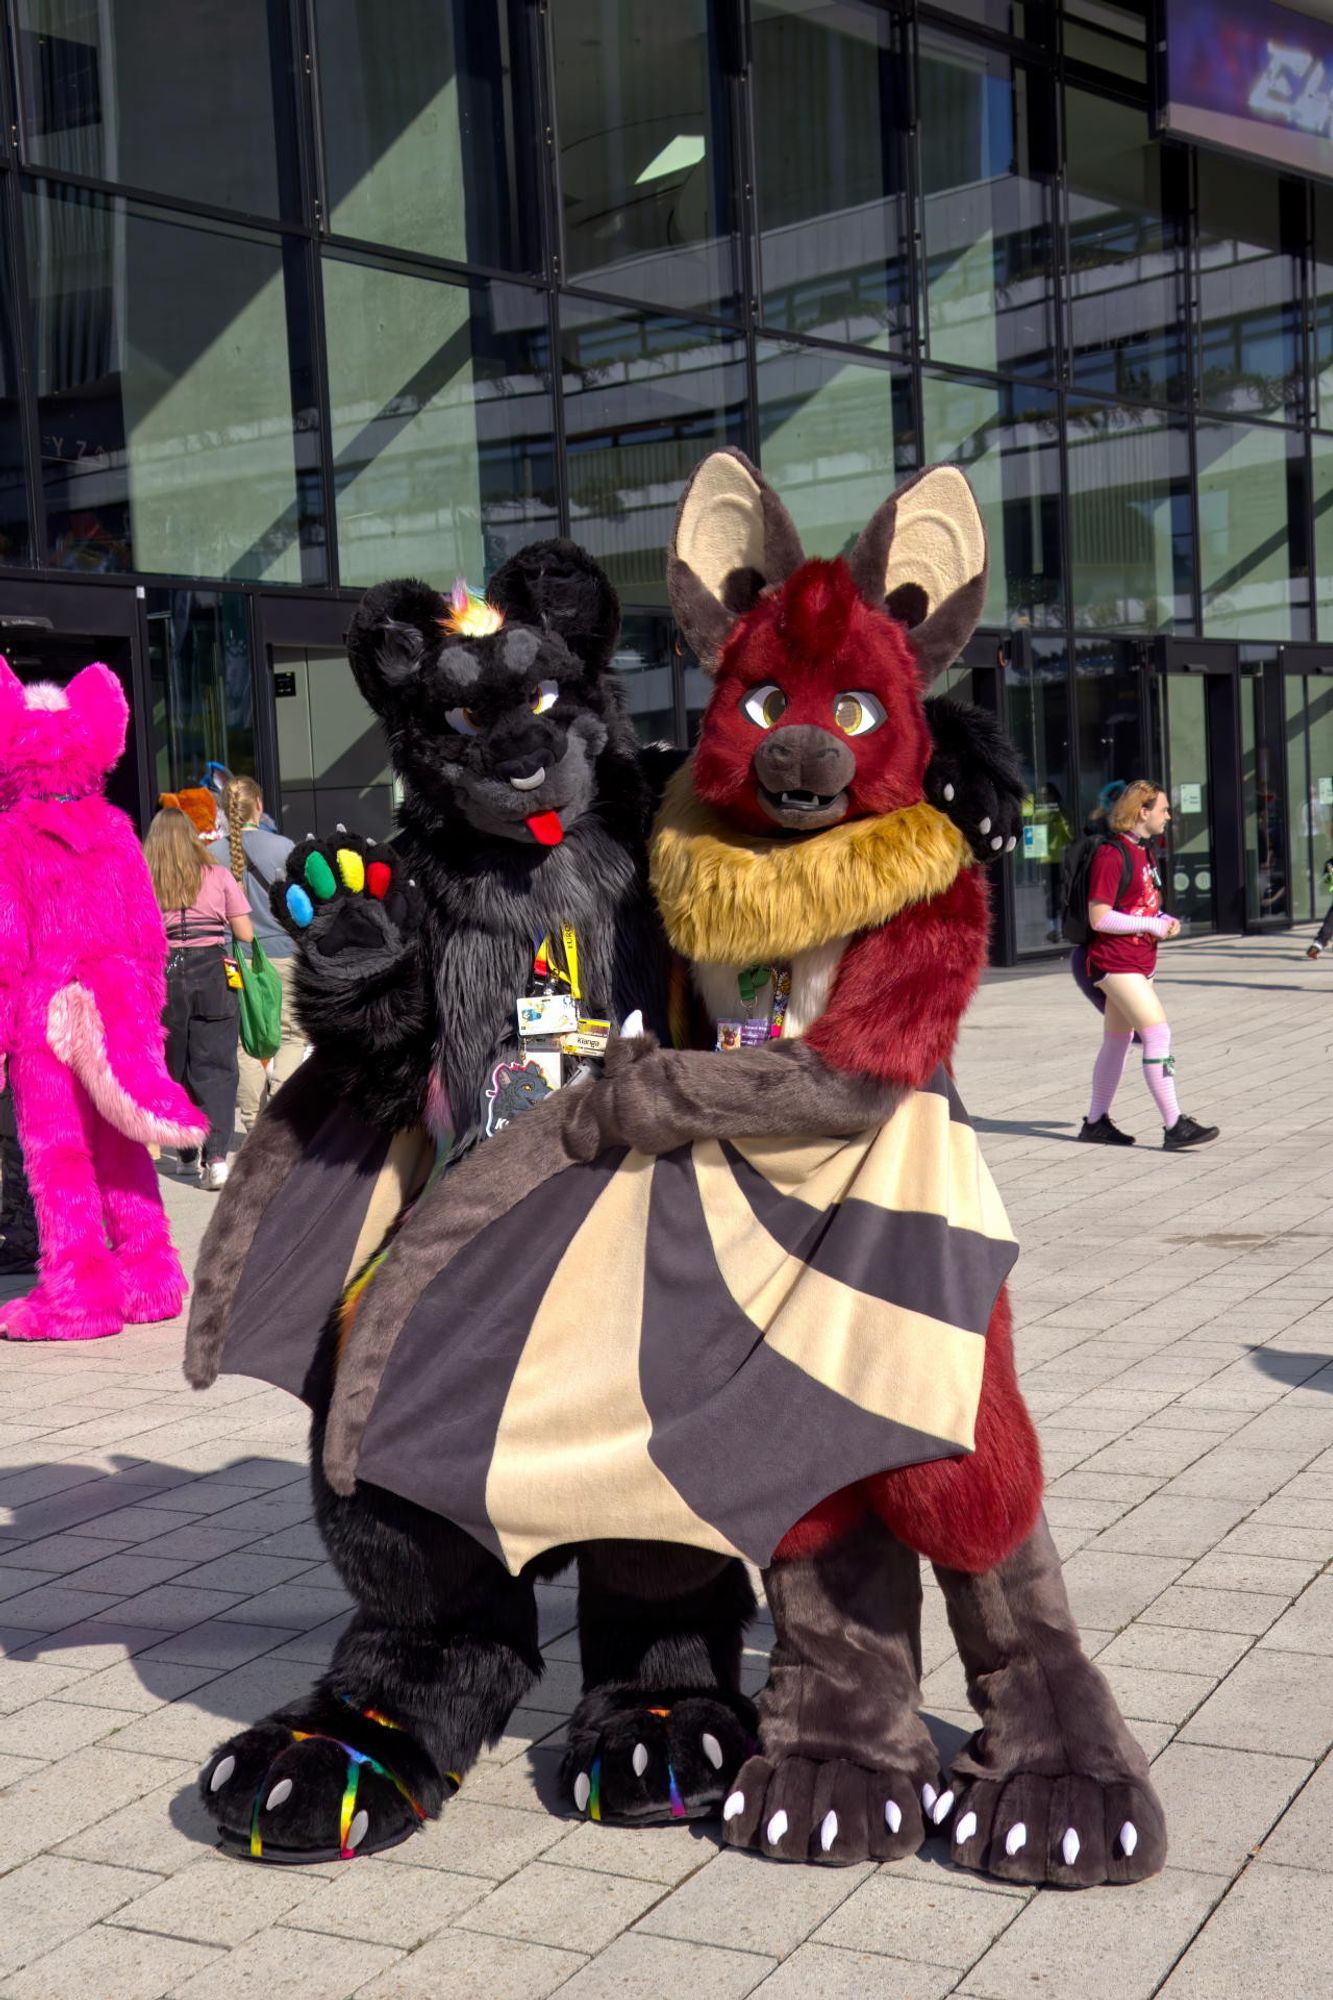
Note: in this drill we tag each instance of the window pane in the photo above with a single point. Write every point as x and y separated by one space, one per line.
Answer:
1038 700
14 540
986 214
1322 307
1249 293
1007 17
443 456
1263 808
829 167
1126 259
1321 508
421 141
193 100
646 397
1319 725
835 439
645 150
165 394
1110 736
1252 532
1006 438
646 661
1303 809
201 684
1131 543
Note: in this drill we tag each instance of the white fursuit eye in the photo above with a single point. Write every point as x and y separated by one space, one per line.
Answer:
857 714
544 696
765 705
463 720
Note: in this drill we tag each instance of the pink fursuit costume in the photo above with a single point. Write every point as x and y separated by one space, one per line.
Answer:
82 952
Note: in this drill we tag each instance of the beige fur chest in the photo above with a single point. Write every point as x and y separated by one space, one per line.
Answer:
812 975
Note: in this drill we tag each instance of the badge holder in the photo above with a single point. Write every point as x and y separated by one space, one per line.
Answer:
757 1028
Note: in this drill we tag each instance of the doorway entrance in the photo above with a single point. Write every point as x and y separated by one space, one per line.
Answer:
51 632
1307 721
330 750
1197 717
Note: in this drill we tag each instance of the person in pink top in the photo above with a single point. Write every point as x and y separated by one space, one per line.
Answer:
203 907
1127 923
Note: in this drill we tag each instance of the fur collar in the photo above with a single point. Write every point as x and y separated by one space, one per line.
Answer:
730 898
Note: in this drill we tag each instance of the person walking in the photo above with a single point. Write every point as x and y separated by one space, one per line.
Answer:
201 905
256 855
1126 922
1323 937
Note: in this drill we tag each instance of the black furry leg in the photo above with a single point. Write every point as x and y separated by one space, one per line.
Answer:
662 1726
442 1647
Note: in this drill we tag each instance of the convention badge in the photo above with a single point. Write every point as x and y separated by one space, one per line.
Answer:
514 1088
754 1034
589 1038
550 1062
547 1014
729 1034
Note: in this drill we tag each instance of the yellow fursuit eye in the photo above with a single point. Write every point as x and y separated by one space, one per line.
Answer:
544 696
857 714
765 705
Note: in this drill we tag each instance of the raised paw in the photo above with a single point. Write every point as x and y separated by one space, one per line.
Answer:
834 1813
1070 1832
642 1765
285 1793
974 776
346 894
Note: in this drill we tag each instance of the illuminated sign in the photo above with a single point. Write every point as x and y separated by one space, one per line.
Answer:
1253 77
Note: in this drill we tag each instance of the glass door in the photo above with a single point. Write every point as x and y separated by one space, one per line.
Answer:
51 633
1190 869
1308 722
1199 746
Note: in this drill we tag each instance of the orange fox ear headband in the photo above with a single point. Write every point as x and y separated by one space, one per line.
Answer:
199 807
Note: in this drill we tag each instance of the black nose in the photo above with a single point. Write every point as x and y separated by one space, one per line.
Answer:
523 764
804 759
522 745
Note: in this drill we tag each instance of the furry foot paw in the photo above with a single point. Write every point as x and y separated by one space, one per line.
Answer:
834 1813
40 1316
285 1791
642 1765
347 895
153 1290
1072 1832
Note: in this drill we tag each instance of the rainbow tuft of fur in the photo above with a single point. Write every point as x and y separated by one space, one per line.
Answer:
470 616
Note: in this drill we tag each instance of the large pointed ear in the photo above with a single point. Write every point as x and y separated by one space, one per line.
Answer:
923 557
97 699
733 538
392 629
556 586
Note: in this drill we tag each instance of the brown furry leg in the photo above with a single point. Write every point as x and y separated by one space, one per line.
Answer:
1052 1788
846 1765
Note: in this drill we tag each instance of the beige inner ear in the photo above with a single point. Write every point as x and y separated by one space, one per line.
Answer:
722 523
939 541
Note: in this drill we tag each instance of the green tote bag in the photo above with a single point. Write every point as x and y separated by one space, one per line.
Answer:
260 1001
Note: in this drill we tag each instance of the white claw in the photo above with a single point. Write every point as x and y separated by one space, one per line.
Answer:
582 1789
943 1807
965 1828
640 1759
1069 1847
928 1797
340 828
828 1831
948 795
893 1817
985 825
224 1770
370 842
996 844
1011 843
357 1831
734 1805
1129 1838
280 1794
1016 1838
777 1826
712 1750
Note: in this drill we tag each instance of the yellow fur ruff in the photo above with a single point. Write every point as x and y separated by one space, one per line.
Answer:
730 898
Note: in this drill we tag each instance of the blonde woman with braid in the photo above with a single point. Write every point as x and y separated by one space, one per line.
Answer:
257 857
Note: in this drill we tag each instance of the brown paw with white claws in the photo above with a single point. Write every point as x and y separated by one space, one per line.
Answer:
1071 1832
834 1813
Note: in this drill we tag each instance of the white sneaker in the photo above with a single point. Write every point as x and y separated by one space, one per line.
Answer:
187 1170
215 1175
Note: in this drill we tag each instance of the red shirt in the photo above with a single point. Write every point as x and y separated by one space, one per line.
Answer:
1141 899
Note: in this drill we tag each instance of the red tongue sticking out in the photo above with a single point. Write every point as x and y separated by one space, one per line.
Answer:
546 828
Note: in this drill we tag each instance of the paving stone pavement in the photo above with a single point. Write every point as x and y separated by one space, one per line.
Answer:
160 1582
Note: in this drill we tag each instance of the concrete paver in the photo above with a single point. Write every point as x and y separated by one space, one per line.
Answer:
160 1581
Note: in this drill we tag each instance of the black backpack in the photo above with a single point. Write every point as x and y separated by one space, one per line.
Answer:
1074 879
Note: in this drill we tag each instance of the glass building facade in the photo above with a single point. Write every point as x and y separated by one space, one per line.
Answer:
300 294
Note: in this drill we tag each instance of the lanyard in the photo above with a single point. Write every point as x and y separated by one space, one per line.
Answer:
544 965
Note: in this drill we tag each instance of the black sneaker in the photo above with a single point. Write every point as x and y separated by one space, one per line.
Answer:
1187 1132
1101 1132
